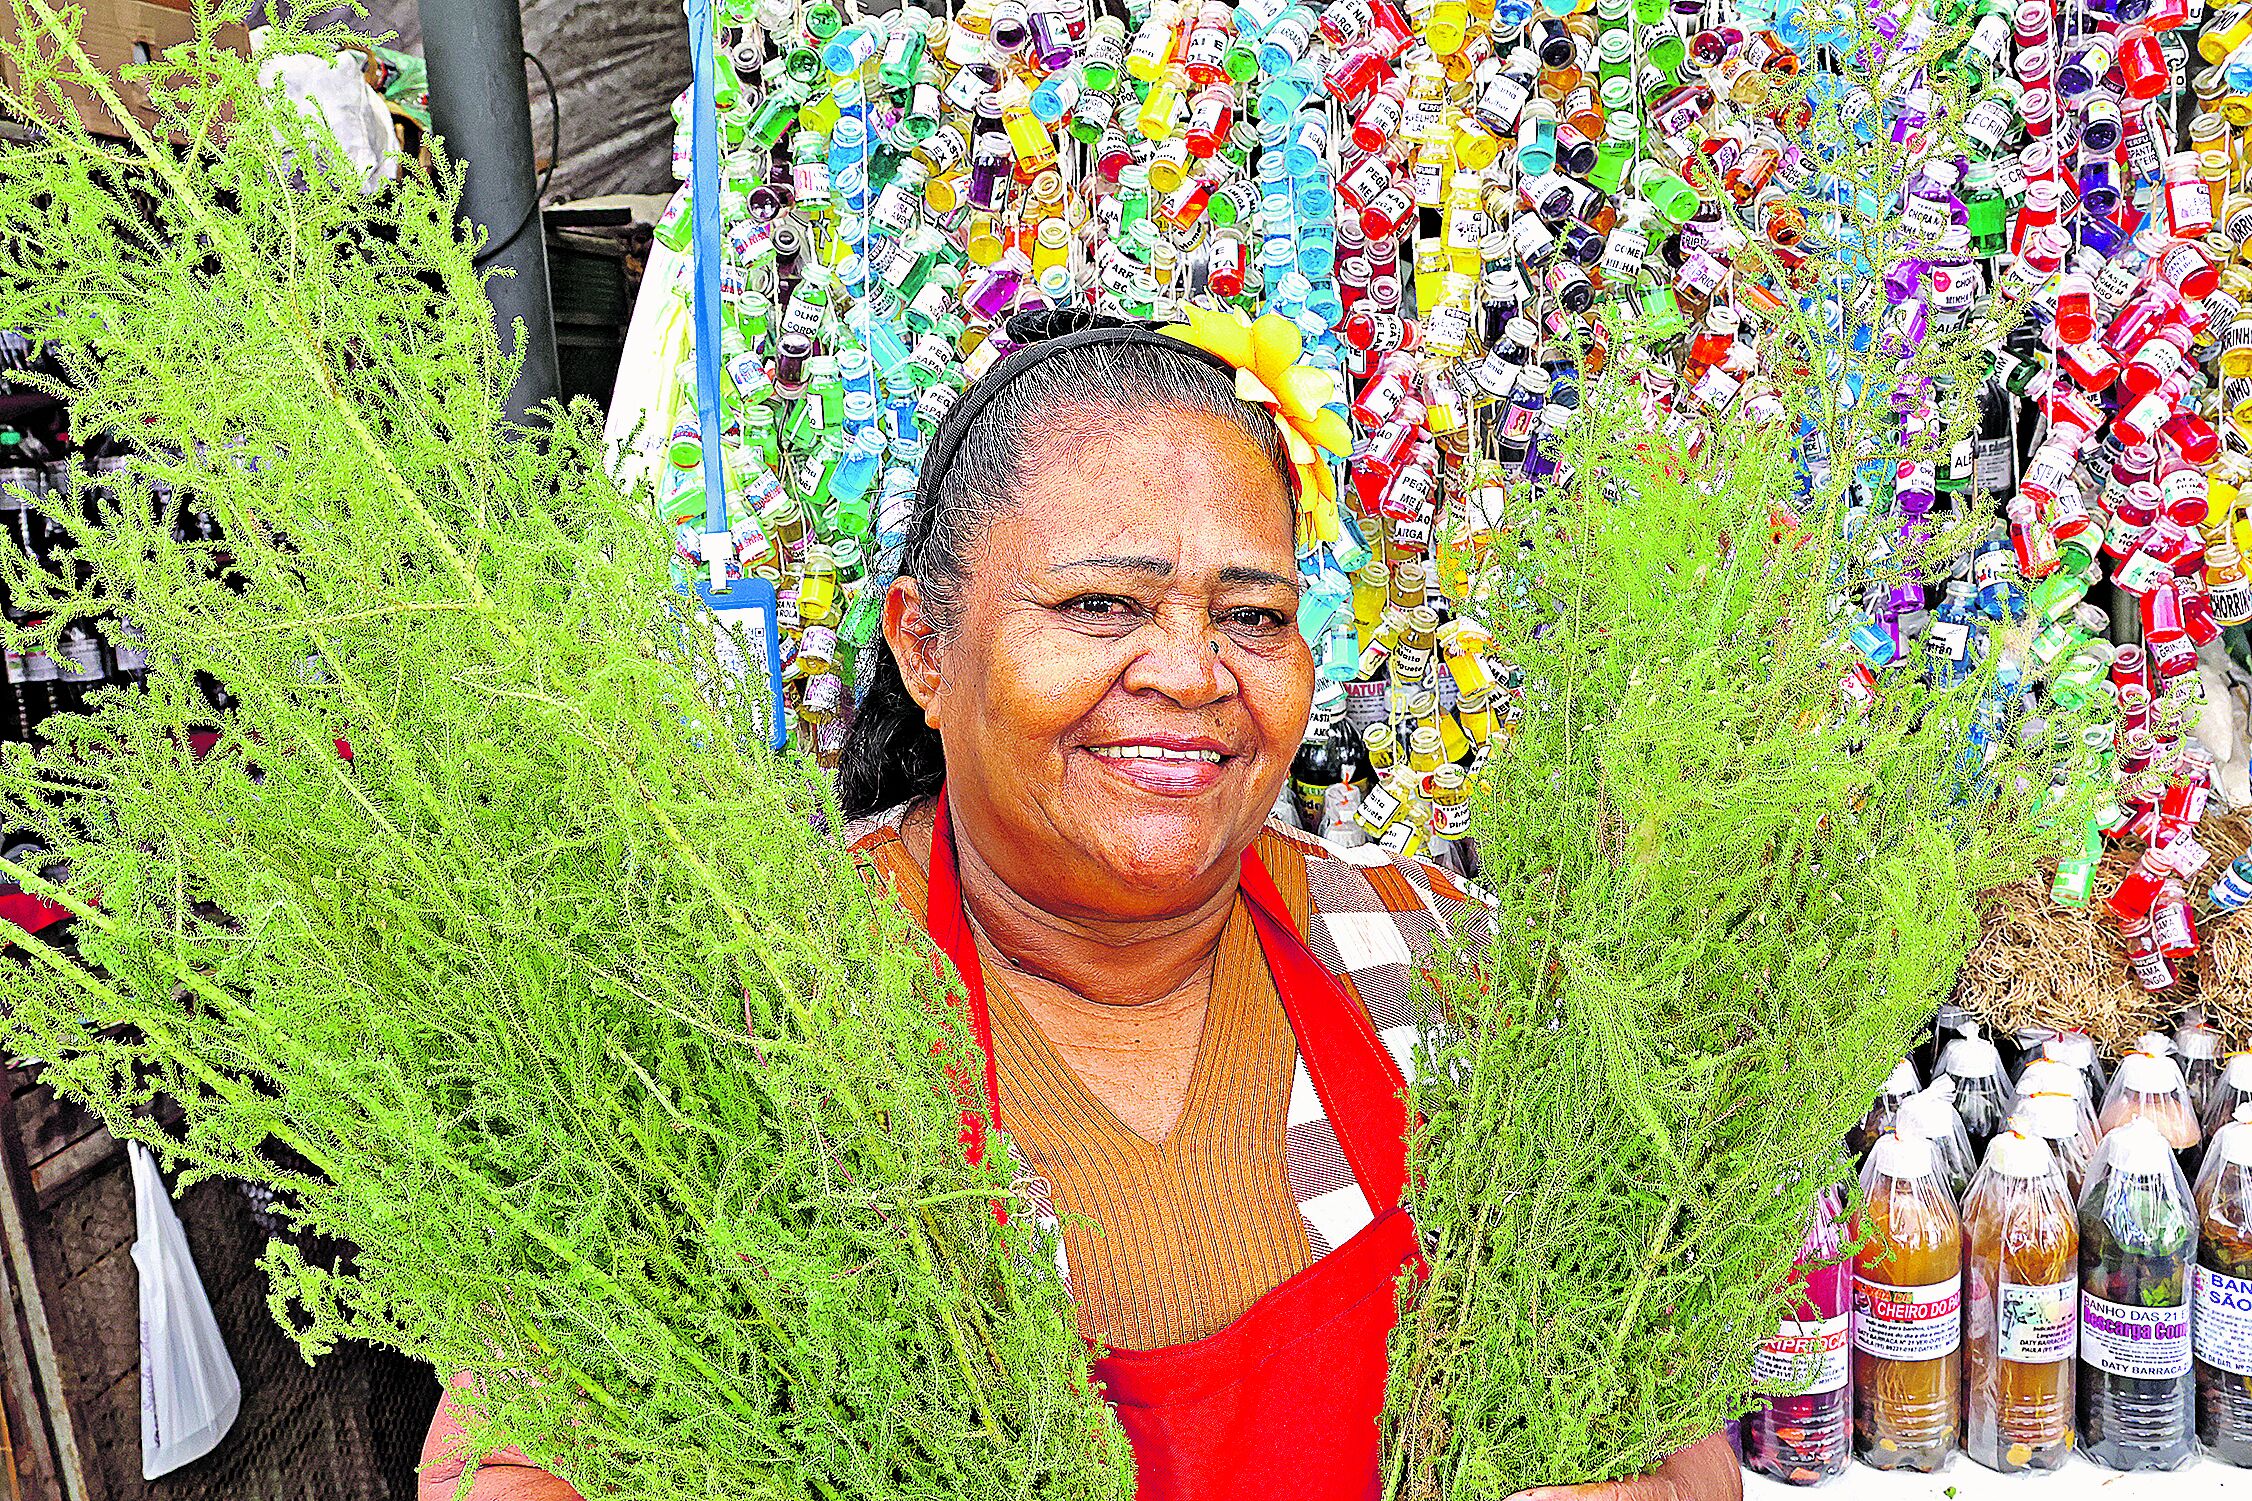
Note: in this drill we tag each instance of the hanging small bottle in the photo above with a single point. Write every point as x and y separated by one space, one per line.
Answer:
2021 1254
1907 1311
2138 1239
1982 1091
1806 1437
2149 1087
2221 1287
1902 1083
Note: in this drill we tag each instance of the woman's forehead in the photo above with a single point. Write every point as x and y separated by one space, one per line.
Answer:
1188 485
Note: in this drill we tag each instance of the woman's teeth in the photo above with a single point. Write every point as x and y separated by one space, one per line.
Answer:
1152 753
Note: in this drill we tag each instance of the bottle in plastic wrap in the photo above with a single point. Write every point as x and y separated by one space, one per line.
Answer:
1902 1083
2198 1046
1982 1091
2047 1076
1907 1310
2138 1240
2055 1118
2231 1090
1932 1116
2021 1262
2221 1295
2079 1050
2149 1086
1803 1432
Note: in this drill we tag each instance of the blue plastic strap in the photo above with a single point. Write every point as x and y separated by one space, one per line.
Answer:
705 239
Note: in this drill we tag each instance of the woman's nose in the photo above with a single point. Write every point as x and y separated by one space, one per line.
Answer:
1183 657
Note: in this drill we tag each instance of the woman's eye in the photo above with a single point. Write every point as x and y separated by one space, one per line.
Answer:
1099 607
1254 618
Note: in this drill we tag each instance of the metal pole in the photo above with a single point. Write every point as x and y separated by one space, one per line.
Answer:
480 107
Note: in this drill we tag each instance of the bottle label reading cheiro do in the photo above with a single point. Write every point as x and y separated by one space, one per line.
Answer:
2142 1344
1804 1358
2223 1324
2035 1324
1908 1323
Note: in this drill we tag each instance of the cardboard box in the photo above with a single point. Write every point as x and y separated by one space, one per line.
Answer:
116 33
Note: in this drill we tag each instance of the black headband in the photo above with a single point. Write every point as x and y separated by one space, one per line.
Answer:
1047 334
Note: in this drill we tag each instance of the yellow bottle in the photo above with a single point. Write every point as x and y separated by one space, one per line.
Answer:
1028 137
1051 245
1155 44
1160 107
1449 27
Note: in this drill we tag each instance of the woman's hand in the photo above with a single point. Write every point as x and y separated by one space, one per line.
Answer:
1705 1471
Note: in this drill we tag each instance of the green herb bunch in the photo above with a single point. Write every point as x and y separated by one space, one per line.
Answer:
555 1001
1734 876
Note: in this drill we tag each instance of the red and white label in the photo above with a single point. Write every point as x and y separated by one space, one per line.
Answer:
1907 1323
1804 1358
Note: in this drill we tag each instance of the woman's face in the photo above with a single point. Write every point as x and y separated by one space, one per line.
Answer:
1126 687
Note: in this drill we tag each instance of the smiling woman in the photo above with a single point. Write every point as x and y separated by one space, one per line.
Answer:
1197 1025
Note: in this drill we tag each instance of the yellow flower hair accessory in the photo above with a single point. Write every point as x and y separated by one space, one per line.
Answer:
1268 356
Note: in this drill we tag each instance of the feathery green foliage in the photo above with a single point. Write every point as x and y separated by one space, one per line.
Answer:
626 1090
1730 894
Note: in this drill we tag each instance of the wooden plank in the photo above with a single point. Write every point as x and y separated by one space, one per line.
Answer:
51 1178
29 1261
33 1455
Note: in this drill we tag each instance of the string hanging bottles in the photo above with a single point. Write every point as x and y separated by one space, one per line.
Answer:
1803 1435
2138 1239
2021 1257
1907 1310
2221 1295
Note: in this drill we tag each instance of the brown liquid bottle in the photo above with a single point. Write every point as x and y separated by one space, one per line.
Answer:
2021 1321
1907 1311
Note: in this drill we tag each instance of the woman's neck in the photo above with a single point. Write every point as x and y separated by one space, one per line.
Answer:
1112 963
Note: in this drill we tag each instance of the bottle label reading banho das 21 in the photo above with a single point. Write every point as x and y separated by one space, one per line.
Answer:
1907 1323
1804 1358
2142 1344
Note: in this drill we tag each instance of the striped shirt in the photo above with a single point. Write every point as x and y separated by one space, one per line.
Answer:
1190 1238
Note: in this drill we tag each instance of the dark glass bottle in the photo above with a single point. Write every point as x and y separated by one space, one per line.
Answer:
1327 776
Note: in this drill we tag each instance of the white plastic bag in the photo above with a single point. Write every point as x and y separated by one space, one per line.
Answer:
189 1391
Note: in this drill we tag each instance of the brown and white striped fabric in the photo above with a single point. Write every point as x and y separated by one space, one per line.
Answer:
1371 918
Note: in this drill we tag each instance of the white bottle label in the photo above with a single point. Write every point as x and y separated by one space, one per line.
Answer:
1907 1323
1804 1358
2223 1321
2036 1322
2143 1344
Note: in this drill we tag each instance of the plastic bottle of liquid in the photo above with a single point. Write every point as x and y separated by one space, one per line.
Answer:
1932 1116
2138 1240
1903 1082
1907 1311
2221 1295
2150 1087
1806 1436
2021 1263
1982 1091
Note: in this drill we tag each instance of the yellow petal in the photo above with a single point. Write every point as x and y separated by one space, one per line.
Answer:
1301 452
1276 343
1216 333
1252 389
1330 431
1306 389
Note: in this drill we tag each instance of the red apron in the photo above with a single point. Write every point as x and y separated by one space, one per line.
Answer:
1284 1401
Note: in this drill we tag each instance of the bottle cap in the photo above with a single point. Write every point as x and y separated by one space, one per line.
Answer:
2196 1039
1899 1156
2053 1117
2016 1154
1930 1115
2148 1073
2232 1144
1971 1056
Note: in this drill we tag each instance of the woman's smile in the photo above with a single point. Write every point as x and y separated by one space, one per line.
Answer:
1166 765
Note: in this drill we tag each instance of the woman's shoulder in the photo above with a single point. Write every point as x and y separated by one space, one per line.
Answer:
1373 916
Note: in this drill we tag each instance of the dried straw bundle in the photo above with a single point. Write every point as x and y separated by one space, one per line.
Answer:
2041 964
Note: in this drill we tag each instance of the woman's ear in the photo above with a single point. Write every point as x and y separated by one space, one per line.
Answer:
914 644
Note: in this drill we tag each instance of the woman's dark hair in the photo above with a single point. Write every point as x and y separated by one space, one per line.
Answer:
1041 399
